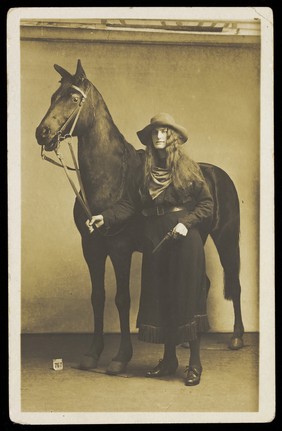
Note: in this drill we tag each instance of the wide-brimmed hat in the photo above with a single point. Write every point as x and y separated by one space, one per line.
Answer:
159 120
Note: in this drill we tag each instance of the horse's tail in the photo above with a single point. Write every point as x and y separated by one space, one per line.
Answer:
226 241
225 231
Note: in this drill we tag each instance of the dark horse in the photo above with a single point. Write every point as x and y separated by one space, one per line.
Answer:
108 166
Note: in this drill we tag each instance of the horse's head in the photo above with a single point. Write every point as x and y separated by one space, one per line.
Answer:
65 110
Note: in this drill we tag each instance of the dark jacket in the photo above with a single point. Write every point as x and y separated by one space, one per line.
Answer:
129 204
196 199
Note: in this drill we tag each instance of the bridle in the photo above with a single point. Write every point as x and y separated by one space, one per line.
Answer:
59 134
77 111
60 137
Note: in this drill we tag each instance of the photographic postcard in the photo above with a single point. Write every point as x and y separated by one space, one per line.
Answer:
212 70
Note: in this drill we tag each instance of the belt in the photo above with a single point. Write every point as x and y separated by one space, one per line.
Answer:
159 210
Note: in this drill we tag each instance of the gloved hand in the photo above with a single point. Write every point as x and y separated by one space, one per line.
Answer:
179 230
98 220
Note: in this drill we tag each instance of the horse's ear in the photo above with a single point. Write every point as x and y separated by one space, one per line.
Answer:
63 72
80 75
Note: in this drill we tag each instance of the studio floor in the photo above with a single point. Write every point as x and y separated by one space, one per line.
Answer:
229 381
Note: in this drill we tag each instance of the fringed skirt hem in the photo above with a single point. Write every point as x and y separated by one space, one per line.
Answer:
188 332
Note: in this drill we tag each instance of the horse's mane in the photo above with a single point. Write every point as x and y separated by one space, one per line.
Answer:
107 125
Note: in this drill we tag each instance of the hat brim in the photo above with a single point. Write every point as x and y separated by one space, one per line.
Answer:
145 135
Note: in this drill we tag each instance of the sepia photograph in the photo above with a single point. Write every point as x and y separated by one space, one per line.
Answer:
140 205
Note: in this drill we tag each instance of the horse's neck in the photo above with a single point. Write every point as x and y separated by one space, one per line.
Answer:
101 158
101 141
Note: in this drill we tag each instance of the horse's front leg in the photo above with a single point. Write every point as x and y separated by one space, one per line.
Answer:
121 260
95 255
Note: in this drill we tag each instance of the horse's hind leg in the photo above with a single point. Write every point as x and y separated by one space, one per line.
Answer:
227 245
95 256
121 259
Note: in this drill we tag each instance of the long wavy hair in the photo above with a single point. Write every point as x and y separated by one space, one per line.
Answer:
182 168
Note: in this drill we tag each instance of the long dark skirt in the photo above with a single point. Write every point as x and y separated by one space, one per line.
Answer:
173 287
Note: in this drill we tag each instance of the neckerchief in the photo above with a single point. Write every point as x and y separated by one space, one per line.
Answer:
159 181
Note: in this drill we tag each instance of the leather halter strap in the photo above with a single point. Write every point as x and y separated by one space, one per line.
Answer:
48 159
79 90
68 135
80 196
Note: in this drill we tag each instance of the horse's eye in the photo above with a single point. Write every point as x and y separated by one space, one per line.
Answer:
75 98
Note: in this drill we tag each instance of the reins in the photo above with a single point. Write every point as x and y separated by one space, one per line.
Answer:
81 197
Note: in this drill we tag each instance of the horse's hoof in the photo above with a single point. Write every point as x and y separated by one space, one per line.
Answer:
236 343
88 362
116 367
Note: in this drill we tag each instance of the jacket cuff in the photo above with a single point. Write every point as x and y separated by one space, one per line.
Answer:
108 218
184 221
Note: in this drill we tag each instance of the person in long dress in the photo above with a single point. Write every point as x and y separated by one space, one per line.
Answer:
176 198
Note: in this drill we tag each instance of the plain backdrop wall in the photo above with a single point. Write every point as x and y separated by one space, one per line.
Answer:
212 91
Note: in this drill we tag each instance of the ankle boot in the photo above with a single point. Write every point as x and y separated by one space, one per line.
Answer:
164 368
194 373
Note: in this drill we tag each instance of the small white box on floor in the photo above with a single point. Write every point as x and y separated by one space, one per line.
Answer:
58 364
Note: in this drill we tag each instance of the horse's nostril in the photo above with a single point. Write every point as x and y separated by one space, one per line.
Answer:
45 132
42 132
